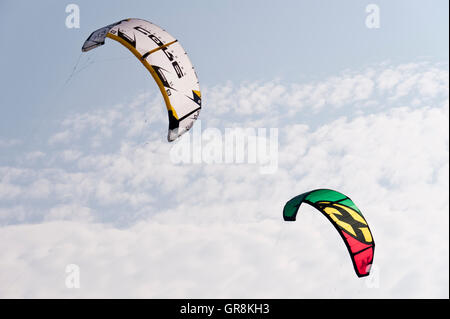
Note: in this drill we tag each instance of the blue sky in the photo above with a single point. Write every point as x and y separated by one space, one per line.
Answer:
88 178
226 40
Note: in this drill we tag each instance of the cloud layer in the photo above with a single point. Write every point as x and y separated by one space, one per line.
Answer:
103 194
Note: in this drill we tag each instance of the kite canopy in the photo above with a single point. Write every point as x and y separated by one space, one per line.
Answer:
346 218
166 61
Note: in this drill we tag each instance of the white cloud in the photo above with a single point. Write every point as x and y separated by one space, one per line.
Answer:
8 190
69 212
71 155
4 143
32 156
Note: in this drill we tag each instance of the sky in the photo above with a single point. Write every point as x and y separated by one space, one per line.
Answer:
87 177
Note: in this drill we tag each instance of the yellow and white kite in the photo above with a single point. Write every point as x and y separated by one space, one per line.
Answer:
167 62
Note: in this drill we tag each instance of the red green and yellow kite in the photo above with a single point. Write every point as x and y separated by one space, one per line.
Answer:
346 218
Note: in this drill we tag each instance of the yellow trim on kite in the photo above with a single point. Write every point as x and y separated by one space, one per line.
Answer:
149 68
160 47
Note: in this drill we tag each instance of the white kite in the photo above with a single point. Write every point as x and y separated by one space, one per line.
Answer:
166 61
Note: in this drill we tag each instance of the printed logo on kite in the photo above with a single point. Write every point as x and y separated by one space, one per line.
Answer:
347 220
